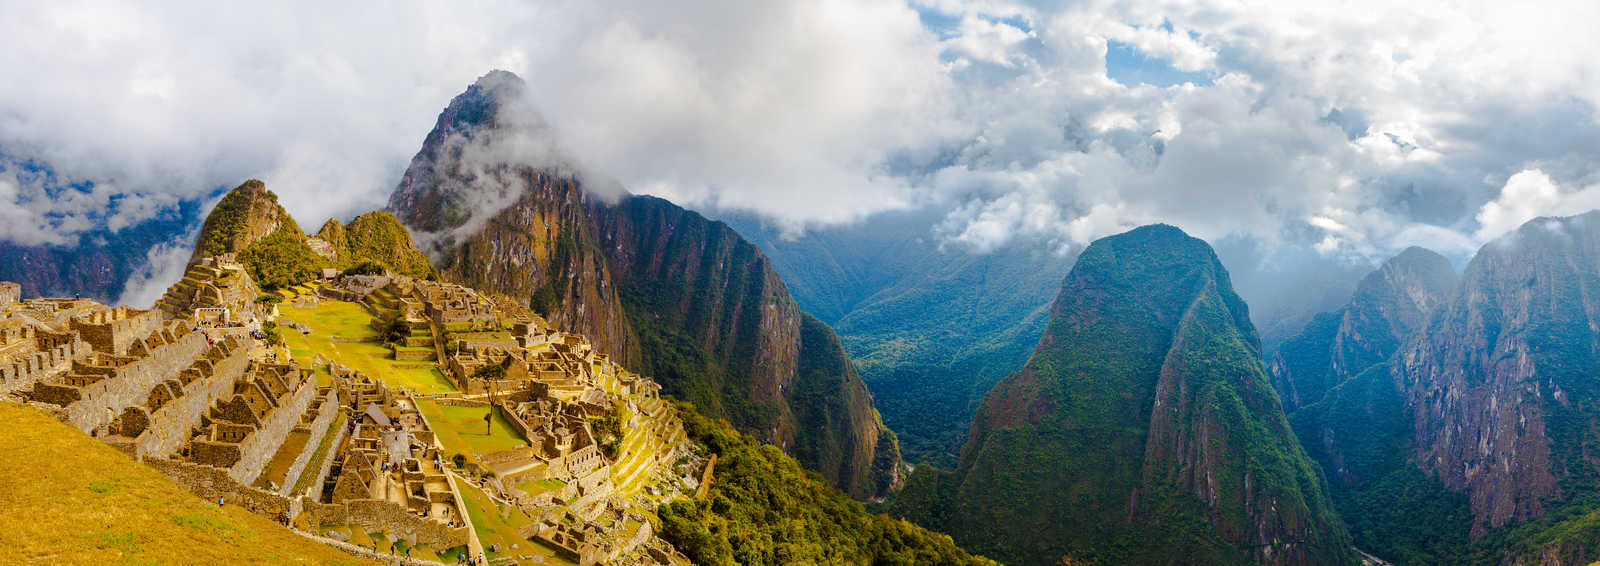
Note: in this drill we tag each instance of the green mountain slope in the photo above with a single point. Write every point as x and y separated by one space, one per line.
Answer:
1142 430
250 223
1334 380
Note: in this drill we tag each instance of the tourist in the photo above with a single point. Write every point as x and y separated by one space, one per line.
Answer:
219 501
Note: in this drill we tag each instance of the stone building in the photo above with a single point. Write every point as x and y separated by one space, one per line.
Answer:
9 293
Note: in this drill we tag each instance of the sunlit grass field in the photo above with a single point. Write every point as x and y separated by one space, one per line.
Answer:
350 320
461 429
87 503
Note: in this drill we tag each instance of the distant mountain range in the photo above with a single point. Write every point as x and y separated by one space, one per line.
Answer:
1121 404
931 328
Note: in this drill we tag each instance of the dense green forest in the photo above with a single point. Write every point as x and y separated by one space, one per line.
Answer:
763 508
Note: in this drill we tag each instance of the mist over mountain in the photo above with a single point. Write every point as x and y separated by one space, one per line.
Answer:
103 245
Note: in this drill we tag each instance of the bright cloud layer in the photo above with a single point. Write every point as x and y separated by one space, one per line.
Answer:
1356 129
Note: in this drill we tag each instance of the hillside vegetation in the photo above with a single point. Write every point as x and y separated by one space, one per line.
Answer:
269 243
762 508
71 499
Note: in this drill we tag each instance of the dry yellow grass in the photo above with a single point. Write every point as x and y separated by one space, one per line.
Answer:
69 499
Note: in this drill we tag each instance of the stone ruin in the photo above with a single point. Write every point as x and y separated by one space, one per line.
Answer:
9 293
182 390
215 285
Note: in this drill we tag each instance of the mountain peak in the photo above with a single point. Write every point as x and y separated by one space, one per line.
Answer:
1145 406
477 157
246 215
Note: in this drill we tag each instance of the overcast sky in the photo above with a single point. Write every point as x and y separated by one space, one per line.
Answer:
1358 128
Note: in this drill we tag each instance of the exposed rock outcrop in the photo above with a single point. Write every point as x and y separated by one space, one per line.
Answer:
1387 307
1503 384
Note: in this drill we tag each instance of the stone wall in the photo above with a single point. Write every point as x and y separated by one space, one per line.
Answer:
210 483
326 412
398 522
459 402
258 448
388 517
99 403
324 467
112 330
413 355
23 372
170 425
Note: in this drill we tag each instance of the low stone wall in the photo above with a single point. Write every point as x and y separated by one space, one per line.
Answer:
99 403
364 552
515 420
413 355
326 413
350 340
258 448
210 483
169 426
388 517
459 402
398 522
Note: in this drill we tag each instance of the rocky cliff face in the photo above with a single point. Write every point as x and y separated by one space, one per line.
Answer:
1387 307
1143 429
1334 380
1503 384
663 289
1474 441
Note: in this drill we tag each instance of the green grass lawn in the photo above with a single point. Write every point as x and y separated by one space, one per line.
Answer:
541 486
350 320
461 429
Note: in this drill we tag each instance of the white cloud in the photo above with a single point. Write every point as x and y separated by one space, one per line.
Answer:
829 111
1527 195
163 266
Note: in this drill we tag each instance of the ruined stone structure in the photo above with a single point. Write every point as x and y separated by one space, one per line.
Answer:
215 284
189 391
9 293
161 425
243 431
